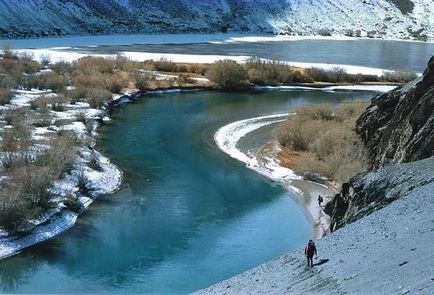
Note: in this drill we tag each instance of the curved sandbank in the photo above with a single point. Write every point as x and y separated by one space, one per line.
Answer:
265 163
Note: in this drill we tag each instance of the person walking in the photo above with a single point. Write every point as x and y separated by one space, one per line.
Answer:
309 251
320 200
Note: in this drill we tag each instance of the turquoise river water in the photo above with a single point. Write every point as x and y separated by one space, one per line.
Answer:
186 216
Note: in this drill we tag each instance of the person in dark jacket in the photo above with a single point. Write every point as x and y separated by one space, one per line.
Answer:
320 200
309 251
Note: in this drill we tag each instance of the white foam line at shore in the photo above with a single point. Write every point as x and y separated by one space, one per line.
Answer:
228 136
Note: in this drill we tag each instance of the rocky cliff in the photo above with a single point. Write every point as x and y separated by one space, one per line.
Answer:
374 18
397 127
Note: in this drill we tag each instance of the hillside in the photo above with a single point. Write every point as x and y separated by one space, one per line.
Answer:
374 18
390 249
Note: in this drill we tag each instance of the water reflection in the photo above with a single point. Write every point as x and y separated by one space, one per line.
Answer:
16 271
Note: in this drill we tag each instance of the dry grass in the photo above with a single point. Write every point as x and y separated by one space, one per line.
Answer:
324 140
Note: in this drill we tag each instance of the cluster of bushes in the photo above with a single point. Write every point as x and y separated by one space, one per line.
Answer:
261 72
338 75
30 176
273 72
227 74
14 68
325 138
165 65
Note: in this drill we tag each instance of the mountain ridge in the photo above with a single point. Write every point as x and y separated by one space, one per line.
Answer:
402 19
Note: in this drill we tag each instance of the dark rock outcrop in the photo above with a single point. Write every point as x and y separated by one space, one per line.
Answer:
368 192
399 126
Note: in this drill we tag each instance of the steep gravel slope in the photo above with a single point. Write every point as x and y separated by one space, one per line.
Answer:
387 252
375 18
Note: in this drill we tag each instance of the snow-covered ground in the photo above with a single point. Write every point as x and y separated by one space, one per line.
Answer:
376 18
387 252
104 180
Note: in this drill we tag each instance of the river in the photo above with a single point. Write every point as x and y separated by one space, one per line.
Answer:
383 54
186 216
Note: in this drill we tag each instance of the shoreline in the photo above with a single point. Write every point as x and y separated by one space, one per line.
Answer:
69 54
59 220
212 37
265 163
306 191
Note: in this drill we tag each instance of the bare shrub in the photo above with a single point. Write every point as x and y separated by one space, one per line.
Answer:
91 64
81 117
399 76
43 118
268 72
198 69
6 95
62 67
181 68
227 74
58 103
338 75
45 60
165 65
40 102
60 156
52 81
117 82
97 97
14 116
27 63
142 82
76 94
7 51
16 139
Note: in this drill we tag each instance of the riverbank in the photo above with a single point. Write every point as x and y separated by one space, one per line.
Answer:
306 191
266 163
92 174
60 219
